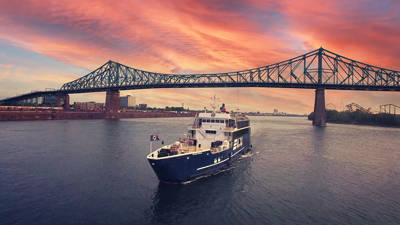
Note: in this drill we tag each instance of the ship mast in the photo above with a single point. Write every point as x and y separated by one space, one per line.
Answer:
213 103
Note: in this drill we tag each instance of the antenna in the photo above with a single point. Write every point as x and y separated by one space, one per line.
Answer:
214 99
237 100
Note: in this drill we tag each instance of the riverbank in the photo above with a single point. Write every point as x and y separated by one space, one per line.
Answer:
65 115
361 118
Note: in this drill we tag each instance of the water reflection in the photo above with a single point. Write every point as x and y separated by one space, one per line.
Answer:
319 139
201 198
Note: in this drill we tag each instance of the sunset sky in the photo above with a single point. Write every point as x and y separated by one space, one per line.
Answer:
44 44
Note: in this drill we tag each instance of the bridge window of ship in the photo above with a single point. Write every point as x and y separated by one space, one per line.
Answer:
211 131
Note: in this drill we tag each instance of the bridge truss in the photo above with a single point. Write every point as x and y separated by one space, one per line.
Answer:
317 69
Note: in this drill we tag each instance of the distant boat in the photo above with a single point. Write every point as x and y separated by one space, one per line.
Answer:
214 140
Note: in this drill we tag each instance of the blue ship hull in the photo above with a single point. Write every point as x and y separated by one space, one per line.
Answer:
186 167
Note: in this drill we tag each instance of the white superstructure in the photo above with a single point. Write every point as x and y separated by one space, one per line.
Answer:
211 128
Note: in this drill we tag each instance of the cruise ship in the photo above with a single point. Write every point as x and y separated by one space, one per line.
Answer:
213 141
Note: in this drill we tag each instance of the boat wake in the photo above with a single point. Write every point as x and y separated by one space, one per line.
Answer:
247 155
209 175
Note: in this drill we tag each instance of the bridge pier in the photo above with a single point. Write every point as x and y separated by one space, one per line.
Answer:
112 101
66 102
319 119
63 100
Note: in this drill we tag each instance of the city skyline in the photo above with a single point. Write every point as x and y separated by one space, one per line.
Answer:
45 44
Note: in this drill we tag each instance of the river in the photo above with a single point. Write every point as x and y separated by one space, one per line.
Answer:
95 172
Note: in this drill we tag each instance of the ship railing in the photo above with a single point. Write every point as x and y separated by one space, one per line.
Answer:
229 129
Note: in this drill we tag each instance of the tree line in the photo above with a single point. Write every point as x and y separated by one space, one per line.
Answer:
359 117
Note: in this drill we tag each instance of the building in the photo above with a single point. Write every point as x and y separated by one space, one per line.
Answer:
275 111
49 100
127 101
88 106
142 106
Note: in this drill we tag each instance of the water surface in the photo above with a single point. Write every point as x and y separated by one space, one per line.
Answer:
95 172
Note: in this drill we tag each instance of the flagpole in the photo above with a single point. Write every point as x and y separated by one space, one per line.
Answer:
151 146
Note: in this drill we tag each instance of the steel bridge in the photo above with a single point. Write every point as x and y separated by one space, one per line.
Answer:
319 69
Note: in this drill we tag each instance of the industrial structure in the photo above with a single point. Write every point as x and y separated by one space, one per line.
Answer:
319 69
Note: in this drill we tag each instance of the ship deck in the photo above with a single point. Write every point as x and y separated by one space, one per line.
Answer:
182 149
189 149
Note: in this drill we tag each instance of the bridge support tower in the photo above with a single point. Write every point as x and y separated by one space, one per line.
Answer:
319 119
112 101
63 100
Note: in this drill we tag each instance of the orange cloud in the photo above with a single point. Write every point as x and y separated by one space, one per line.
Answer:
205 36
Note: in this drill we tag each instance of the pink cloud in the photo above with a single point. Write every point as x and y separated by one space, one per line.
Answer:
204 37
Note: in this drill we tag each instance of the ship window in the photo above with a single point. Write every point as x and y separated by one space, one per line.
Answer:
208 120
211 131
212 121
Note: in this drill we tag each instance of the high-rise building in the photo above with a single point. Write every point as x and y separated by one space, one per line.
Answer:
127 101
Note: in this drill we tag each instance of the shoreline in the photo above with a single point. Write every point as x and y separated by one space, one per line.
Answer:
66 115
364 124
361 118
